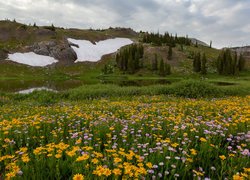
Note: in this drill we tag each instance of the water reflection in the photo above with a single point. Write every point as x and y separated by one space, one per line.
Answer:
31 85
144 82
19 85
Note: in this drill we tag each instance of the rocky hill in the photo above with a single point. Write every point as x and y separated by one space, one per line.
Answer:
49 40
245 51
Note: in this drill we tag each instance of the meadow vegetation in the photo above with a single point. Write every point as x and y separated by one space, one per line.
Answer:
193 126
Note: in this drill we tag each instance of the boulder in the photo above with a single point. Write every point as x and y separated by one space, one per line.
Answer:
61 51
3 54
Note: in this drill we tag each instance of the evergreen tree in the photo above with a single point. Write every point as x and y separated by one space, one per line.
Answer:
155 63
227 62
162 68
220 64
131 65
167 69
203 64
234 64
53 27
105 69
197 63
241 63
170 53
227 65
196 44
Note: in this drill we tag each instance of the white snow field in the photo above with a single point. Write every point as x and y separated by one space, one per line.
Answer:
32 59
88 51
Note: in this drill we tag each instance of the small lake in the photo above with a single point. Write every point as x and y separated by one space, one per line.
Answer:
26 86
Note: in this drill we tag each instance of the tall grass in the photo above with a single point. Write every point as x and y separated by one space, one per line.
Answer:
185 88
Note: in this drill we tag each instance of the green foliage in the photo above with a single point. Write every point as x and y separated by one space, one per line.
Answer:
158 39
52 27
108 69
203 64
227 65
155 63
197 62
129 59
162 68
242 63
170 53
167 69
196 89
196 44
24 27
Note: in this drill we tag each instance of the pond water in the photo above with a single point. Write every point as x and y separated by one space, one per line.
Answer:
21 85
221 83
27 86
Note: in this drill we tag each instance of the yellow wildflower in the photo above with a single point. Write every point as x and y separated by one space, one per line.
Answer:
202 139
222 157
78 177
117 172
82 158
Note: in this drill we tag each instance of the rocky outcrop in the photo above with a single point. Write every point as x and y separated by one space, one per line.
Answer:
245 51
3 54
61 51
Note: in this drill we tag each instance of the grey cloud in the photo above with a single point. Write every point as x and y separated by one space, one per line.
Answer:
224 21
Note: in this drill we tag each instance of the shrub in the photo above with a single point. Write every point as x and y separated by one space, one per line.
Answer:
195 89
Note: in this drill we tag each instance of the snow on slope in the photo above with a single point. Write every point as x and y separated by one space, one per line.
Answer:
31 59
88 51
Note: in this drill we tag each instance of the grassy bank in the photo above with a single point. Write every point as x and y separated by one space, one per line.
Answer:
185 88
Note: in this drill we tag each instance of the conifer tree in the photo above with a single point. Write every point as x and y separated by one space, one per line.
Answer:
170 53
241 63
162 68
167 69
220 64
203 64
155 63
197 63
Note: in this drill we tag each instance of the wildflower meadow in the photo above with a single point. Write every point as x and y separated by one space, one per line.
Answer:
145 137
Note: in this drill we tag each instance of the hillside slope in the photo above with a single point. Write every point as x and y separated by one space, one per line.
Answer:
51 41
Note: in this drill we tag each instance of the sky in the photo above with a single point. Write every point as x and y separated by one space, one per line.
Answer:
225 22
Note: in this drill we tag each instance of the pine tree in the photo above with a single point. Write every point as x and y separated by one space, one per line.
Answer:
203 64
241 63
196 44
162 68
197 62
167 69
155 63
170 52
227 62
220 64
234 64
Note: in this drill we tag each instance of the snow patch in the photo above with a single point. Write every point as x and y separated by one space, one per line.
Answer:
31 59
28 91
88 51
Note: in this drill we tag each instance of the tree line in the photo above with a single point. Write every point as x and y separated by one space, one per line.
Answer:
228 64
167 39
130 59
200 63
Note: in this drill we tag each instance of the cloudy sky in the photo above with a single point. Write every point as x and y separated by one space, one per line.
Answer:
225 22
